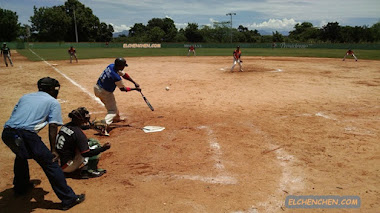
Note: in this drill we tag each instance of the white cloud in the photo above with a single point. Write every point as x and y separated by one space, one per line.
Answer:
119 28
277 24
180 25
322 23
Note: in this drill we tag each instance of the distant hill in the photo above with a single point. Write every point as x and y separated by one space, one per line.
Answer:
124 32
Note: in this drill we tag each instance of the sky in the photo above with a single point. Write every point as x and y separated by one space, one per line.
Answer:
263 15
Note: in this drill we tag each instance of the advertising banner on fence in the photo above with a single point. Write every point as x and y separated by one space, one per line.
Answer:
142 45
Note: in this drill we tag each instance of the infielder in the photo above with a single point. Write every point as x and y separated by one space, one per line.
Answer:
73 53
106 85
77 153
350 52
31 114
6 52
237 55
191 50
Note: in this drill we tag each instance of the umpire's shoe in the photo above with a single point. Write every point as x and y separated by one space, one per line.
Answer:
79 200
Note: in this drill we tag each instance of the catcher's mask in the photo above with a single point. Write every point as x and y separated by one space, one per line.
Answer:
81 115
49 85
120 63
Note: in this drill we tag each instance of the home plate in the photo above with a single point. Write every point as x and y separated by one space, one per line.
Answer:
148 129
54 64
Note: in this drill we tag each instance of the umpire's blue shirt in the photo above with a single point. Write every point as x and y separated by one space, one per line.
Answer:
34 111
108 78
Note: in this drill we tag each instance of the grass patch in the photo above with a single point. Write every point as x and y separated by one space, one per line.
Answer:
90 53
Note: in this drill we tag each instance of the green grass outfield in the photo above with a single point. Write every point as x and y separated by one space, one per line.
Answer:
89 53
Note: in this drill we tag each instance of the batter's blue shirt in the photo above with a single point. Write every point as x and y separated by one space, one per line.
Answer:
34 111
108 78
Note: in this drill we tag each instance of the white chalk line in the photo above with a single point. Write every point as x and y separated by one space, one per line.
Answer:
215 147
277 70
69 79
288 181
347 129
222 177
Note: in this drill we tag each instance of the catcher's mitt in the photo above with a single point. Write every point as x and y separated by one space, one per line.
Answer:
99 125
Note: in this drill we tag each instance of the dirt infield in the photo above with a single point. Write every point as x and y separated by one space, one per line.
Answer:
234 142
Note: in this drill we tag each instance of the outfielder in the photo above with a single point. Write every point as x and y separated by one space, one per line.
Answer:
77 153
73 53
106 85
237 55
350 52
191 50
6 52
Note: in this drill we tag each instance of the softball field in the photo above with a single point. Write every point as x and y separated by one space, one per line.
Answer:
233 141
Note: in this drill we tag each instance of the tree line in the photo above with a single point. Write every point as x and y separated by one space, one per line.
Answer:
74 20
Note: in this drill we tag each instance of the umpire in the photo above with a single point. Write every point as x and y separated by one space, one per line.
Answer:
32 113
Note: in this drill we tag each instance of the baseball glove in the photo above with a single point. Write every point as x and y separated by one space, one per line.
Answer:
98 125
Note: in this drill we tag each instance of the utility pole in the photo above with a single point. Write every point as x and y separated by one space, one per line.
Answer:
75 21
76 30
231 14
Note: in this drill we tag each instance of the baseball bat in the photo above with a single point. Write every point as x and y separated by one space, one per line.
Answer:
147 102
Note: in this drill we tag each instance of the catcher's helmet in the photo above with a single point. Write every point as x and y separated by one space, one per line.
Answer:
81 114
121 63
49 85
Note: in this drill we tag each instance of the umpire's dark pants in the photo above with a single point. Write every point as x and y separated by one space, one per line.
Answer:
28 145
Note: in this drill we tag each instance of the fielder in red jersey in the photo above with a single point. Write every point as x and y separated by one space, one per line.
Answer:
350 52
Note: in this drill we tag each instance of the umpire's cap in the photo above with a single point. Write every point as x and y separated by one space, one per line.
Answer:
49 85
121 63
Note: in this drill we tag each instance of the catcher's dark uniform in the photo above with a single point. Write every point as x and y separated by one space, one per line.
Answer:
70 141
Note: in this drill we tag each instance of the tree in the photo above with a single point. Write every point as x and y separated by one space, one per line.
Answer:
24 32
331 32
105 32
137 30
304 32
375 30
243 34
9 26
192 33
166 25
156 34
50 24
57 23
277 37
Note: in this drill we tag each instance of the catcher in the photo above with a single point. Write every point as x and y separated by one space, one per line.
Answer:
77 153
